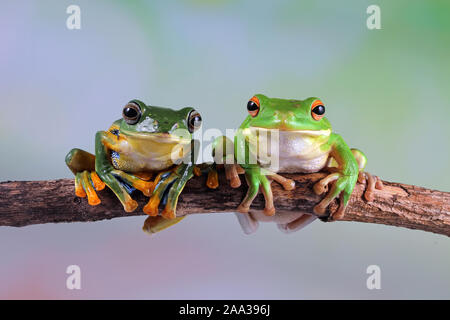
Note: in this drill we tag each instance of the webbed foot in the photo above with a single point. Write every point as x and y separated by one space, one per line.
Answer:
342 187
373 182
87 183
256 180
168 187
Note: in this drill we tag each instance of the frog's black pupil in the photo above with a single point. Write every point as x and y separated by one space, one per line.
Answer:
130 112
196 120
252 106
319 110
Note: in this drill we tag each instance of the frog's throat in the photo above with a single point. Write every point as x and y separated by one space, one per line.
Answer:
326 132
157 137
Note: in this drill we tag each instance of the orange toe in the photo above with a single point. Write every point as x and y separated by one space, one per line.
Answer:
130 205
98 183
79 192
269 211
146 187
168 213
93 199
197 171
213 179
151 208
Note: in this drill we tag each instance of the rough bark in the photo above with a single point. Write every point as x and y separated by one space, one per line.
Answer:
25 203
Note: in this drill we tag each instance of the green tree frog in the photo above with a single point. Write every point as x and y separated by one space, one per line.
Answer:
305 143
145 142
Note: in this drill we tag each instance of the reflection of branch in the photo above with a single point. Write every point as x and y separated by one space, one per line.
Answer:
34 202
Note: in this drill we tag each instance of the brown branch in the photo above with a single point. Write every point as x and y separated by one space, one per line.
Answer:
35 202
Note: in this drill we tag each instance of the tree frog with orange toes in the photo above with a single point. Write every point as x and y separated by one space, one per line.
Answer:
145 142
305 144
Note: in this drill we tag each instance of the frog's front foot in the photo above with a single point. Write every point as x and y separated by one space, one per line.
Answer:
372 182
162 183
232 172
168 187
87 183
256 180
342 186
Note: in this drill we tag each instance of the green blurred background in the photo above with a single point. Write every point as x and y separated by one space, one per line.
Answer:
386 92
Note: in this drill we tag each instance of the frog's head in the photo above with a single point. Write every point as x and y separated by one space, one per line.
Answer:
163 124
287 115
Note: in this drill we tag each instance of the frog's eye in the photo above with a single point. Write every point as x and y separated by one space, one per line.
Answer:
253 106
194 121
317 110
131 113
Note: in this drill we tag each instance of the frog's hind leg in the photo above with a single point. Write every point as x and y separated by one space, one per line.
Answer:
79 160
155 224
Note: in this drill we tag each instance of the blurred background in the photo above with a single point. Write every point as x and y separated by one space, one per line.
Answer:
386 92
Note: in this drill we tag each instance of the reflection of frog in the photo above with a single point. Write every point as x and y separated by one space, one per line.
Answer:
306 144
144 142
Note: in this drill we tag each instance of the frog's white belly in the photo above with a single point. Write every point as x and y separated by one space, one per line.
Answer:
299 151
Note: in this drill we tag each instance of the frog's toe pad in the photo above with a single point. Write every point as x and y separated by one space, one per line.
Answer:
79 192
93 200
340 212
130 205
242 209
269 211
151 208
368 195
320 188
373 182
168 213
197 171
320 210
235 182
146 188
213 179
379 184
289 184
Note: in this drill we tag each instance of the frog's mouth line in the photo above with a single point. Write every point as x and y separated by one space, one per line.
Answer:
307 132
160 137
